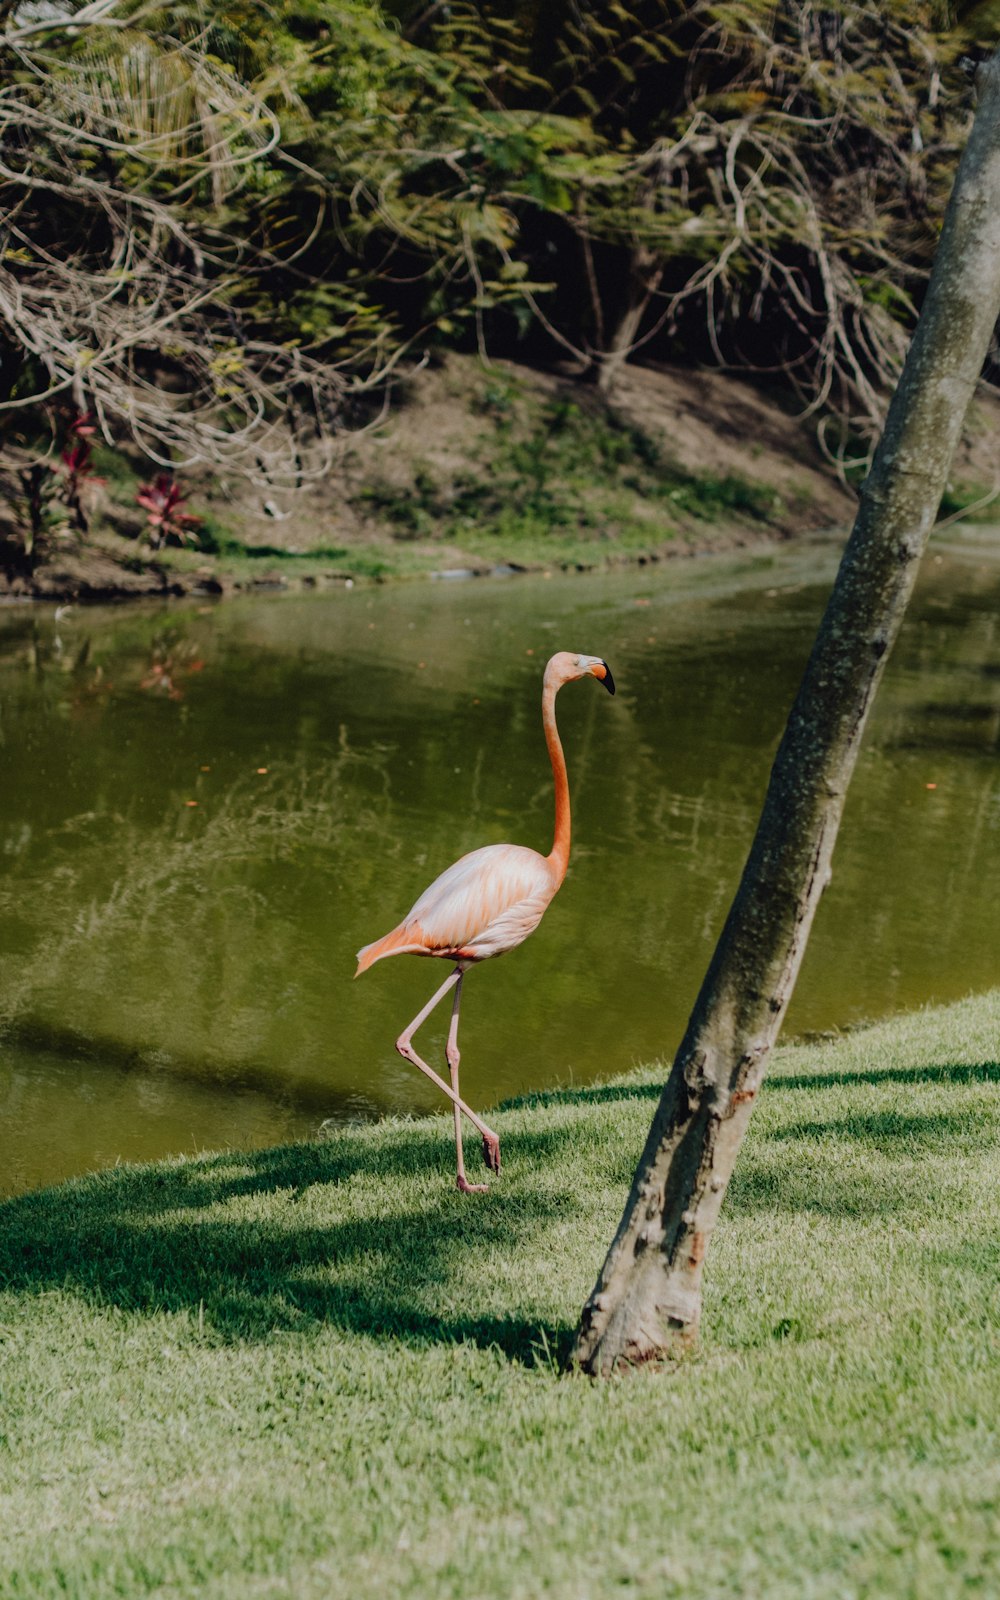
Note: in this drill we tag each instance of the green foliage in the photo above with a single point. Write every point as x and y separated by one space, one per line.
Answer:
709 496
331 185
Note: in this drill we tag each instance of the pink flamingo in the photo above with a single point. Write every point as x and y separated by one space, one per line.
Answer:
485 903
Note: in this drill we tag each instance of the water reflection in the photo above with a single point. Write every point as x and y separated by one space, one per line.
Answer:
206 812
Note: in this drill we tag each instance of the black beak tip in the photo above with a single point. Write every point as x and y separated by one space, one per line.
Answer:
608 681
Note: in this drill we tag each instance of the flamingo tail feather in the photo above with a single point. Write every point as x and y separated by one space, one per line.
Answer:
400 942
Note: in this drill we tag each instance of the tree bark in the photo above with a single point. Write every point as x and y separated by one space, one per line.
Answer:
647 1299
642 281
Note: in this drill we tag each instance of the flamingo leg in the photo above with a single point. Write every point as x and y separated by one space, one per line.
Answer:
491 1141
454 1057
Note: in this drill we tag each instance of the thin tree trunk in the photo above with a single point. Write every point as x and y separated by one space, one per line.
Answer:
648 1296
643 280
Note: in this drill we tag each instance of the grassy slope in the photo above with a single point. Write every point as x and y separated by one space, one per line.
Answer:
319 1371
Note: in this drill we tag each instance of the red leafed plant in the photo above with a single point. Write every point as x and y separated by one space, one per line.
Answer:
76 451
162 501
76 468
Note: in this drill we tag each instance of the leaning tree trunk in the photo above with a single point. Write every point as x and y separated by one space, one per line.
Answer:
648 1296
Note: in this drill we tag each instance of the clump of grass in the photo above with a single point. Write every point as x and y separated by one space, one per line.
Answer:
319 1371
411 513
117 470
242 560
708 496
232 548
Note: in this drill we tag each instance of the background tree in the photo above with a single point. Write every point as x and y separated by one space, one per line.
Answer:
753 184
143 272
648 1295
224 230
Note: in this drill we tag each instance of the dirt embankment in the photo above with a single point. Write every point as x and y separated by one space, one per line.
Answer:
478 467
482 467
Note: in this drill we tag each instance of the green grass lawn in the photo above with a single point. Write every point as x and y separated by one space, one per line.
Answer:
319 1371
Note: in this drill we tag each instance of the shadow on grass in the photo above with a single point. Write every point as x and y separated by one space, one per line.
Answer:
390 1250
589 1095
160 1240
763 1186
607 1093
892 1131
959 1072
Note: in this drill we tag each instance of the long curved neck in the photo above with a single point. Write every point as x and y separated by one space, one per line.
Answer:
559 854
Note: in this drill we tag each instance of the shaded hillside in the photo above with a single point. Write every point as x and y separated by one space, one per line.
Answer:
481 467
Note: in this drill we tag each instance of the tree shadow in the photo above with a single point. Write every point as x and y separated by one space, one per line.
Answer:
410 1260
890 1129
586 1095
151 1240
599 1094
766 1181
958 1072
766 1186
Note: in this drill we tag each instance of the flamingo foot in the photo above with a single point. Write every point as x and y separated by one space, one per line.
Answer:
491 1151
465 1187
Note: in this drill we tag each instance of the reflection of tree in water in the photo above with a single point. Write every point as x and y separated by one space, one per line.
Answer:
203 933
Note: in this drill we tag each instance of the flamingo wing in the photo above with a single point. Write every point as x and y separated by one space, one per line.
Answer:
485 903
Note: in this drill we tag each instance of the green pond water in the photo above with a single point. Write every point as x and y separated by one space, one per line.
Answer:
208 809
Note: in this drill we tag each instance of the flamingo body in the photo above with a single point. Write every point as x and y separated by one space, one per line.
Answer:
485 903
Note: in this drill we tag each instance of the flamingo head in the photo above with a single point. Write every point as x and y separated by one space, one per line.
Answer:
566 666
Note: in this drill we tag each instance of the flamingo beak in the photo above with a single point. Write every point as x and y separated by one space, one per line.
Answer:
605 677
